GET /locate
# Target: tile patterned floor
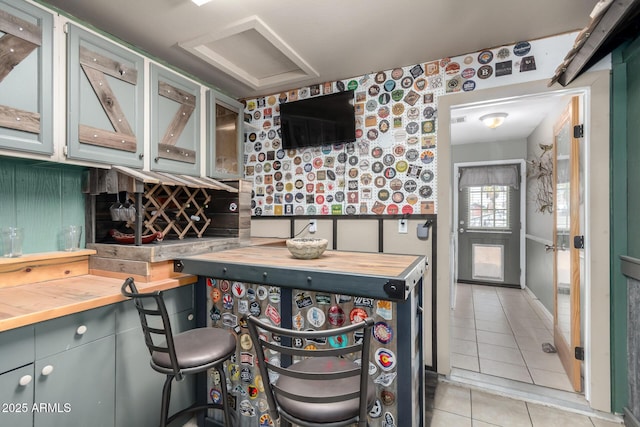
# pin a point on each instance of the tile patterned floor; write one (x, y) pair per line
(500, 331)
(458, 406)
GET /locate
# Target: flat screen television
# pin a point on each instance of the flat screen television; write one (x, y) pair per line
(321, 120)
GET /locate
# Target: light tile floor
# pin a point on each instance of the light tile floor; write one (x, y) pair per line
(458, 406)
(500, 331)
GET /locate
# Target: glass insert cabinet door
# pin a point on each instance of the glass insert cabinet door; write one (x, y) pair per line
(225, 137)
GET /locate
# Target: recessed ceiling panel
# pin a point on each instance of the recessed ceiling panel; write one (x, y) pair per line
(238, 49)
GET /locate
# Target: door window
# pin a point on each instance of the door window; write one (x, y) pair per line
(488, 207)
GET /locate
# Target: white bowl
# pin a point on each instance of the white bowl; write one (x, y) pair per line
(305, 248)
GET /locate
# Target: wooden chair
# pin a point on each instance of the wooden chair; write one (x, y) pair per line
(323, 387)
(189, 352)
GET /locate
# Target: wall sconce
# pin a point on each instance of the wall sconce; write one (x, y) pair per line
(493, 120)
(200, 2)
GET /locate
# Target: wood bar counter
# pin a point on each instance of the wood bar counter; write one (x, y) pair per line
(338, 288)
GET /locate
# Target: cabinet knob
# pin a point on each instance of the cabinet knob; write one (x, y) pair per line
(190, 317)
(47, 370)
(25, 380)
(81, 330)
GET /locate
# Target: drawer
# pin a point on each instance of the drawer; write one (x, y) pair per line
(54, 336)
(176, 300)
(16, 348)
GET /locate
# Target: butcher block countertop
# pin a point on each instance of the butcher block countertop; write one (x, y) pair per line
(28, 304)
(39, 287)
(375, 275)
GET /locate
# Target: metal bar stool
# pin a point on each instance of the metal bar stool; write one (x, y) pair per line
(189, 352)
(323, 387)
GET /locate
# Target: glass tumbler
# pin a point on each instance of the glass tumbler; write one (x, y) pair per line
(71, 237)
(12, 238)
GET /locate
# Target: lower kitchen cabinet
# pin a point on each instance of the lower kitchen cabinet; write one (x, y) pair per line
(89, 369)
(16, 397)
(77, 387)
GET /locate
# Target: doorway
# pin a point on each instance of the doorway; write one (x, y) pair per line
(503, 317)
(489, 217)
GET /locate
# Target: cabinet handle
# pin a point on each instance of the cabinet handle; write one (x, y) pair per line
(190, 317)
(81, 330)
(47, 370)
(25, 380)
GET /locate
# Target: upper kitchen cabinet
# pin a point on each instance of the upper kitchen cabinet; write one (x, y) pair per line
(26, 77)
(175, 123)
(224, 136)
(105, 100)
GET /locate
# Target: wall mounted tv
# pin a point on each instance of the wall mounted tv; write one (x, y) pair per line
(322, 120)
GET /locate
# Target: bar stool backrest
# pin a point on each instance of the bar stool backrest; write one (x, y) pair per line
(290, 344)
(155, 322)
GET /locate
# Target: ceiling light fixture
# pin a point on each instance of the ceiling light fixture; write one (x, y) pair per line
(200, 2)
(493, 120)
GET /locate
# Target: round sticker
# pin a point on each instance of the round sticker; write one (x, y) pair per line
(338, 341)
(389, 85)
(396, 73)
(485, 72)
(425, 191)
(336, 316)
(383, 332)
(406, 82)
(468, 86)
(384, 98)
(521, 48)
(485, 57)
(316, 317)
(452, 68)
(383, 195)
(398, 109)
(468, 73)
(412, 154)
(388, 159)
(358, 315)
(392, 209)
(374, 90)
(385, 358)
(380, 77)
(420, 84)
(397, 94)
(383, 112)
(383, 126)
(426, 156)
(402, 166)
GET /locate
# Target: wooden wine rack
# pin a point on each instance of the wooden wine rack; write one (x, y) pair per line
(175, 210)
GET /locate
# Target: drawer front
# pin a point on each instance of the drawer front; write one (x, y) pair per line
(16, 397)
(176, 300)
(16, 348)
(66, 332)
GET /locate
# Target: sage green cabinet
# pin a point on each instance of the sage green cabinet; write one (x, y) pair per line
(16, 377)
(224, 136)
(105, 100)
(175, 122)
(77, 387)
(16, 397)
(26, 87)
(75, 370)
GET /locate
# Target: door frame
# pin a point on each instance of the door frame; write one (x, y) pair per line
(595, 86)
(523, 213)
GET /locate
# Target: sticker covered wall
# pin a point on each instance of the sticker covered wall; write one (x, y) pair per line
(391, 168)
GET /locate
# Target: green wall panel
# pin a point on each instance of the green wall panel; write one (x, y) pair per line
(42, 198)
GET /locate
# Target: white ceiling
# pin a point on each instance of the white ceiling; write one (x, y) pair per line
(524, 115)
(296, 43)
